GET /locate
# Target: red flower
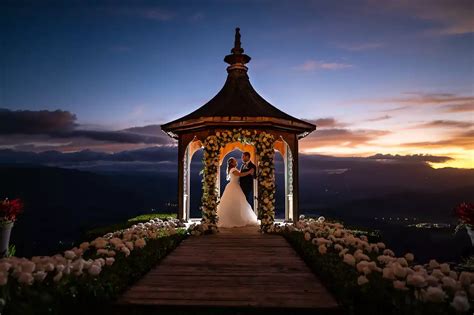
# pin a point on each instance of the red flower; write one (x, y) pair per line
(465, 212)
(10, 209)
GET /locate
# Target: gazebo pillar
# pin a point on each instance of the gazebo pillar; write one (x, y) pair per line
(181, 180)
(291, 178)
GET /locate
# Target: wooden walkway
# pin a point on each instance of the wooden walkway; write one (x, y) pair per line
(236, 268)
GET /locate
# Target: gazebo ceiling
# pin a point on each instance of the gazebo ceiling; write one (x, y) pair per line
(237, 105)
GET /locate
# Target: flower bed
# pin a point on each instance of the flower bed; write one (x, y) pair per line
(92, 273)
(368, 278)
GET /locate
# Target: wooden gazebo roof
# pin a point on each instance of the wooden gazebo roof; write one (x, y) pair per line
(237, 105)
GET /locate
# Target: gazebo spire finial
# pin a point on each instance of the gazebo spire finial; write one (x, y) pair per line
(237, 44)
(237, 59)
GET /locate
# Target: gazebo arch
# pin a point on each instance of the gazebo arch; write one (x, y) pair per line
(238, 117)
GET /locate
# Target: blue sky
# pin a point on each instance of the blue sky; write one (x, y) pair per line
(392, 77)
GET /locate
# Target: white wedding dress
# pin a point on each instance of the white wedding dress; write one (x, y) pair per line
(233, 209)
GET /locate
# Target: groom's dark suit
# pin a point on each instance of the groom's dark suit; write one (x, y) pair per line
(246, 182)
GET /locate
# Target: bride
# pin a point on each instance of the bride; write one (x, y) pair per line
(233, 209)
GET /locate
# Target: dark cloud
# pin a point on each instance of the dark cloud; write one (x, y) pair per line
(164, 159)
(115, 136)
(151, 154)
(36, 122)
(328, 122)
(411, 158)
(61, 126)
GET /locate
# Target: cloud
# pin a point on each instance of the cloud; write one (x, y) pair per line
(458, 108)
(342, 137)
(453, 17)
(36, 122)
(313, 65)
(153, 159)
(328, 122)
(445, 102)
(419, 98)
(463, 140)
(164, 159)
(411, 158)
(384, 117)
(446, 124)
(361, 46)
(59, 128)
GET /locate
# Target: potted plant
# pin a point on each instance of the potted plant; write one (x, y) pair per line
(9, 210)
(465, 214)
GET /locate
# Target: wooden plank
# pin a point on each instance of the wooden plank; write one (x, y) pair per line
(234, 268)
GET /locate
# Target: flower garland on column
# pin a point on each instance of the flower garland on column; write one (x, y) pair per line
(210, 195)
(263, 143)
(266, 180)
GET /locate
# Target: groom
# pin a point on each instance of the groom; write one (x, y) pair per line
(246, 182)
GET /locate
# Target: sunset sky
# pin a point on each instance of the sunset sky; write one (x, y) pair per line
(377, 77)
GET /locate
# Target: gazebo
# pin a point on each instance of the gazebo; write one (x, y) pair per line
(238, 118)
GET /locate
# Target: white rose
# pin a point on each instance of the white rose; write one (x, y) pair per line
(28, 266)
(69, 254)
(387, 273)
(84, 245)
(349, 259)
(58, 277)
(26, 278)
(109, 261)
(409, 257)
(400, 271)
(433, 264)
(465, 278)
(140, 243)
(129, 245)
(460, 303)
(5, 266)
(361, 280)
(435, 295)
(444, 268)
(322, 249)
(449, 283)
(416, 280)
(95, 269)
(39, 276)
